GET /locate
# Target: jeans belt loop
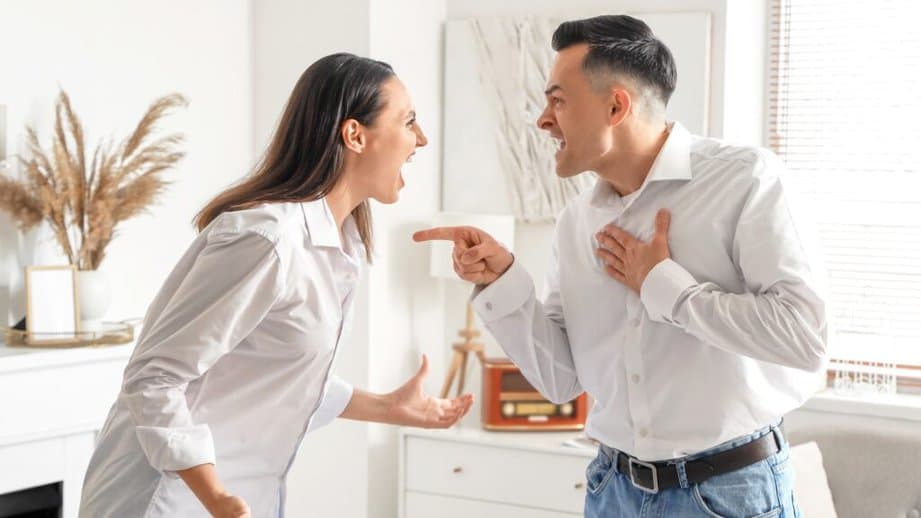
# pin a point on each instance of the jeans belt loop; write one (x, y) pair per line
(778, 438)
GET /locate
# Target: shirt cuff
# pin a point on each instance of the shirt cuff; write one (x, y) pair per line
(663, 288)
(174, 449)
(337, 397)
(505, 295)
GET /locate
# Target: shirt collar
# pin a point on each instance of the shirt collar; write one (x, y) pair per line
(672, 163)
(321, 226)
(674, 159)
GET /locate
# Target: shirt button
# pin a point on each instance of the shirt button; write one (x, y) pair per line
(489, 306)
(644, 432)
(635, 378)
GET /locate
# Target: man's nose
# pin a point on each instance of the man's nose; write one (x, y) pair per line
(545, 122)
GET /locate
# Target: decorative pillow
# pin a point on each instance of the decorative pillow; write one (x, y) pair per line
(811, 488)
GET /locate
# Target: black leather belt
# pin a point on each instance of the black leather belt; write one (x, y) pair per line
(653, 477)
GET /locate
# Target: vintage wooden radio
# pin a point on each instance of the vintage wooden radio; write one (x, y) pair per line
(509, 402)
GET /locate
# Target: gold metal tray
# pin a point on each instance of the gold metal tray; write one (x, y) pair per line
(112, 333)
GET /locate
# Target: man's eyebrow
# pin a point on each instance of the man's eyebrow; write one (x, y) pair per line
(552, 89)
(411, 114)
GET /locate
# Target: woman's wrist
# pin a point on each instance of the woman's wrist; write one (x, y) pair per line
(204, 483)
(368, 406)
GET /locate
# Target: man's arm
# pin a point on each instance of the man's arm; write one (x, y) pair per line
(531, 332)
(781, 316)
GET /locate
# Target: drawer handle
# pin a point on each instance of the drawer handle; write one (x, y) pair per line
(579, 485)
(458, 469)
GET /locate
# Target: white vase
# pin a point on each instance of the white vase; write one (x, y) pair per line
(95, 294)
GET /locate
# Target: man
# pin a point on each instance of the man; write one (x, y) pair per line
(679, 295)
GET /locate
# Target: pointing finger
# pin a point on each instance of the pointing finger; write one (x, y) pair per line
(438, 233)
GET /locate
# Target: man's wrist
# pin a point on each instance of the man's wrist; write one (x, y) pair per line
(500, 274)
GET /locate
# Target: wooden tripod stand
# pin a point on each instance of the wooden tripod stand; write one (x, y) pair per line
(461, 351)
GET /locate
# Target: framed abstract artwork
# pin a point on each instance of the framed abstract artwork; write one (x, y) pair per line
(496, 160)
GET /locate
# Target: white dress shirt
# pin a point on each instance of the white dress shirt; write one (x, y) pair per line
(233, 366)
(725, 337)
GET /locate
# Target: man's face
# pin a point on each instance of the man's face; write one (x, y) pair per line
(576, 115)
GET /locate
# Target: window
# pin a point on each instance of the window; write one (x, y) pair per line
(845, 116)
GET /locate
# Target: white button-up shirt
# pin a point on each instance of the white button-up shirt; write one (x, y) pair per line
(724, 338)
(233, 366)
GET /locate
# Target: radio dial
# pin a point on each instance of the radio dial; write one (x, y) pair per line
(566, 409)
(508, 409)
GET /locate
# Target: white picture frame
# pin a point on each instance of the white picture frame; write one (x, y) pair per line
(52, 306)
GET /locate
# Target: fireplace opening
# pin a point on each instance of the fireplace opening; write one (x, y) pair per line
(35, 502)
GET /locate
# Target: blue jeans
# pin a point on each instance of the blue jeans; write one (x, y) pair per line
(761, 490)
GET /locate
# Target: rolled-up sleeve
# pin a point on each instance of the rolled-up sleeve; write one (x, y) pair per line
(337, 397)
(231, 286)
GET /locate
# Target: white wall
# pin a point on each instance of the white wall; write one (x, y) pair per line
(289, 35)
(114, 58)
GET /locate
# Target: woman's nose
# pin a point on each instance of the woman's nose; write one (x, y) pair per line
(421, 140)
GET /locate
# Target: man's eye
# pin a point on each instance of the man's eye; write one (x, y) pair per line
(410, 123)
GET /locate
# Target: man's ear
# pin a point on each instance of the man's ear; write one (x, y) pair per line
(353, 135)
(620, 105)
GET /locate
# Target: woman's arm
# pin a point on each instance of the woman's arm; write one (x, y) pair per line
(204, 482)
(408, 405)
(223, 296)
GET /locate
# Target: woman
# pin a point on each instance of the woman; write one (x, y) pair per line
(235, 361)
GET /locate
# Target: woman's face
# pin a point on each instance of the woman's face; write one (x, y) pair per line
(391, 142)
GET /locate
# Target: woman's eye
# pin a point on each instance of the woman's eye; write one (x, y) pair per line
(410, 123)
(556, 101)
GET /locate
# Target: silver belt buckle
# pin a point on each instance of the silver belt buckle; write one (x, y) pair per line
(631, 462)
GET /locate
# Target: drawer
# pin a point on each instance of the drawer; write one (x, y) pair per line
(496, 474)
(422, 505)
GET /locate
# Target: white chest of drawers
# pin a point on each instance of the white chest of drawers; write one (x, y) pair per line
(474, 473)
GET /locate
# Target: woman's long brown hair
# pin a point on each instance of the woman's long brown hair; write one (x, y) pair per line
(303, 161)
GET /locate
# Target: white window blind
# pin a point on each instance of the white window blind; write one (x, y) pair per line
(845, 116)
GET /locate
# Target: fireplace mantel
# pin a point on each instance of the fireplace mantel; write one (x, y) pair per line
(52, 403)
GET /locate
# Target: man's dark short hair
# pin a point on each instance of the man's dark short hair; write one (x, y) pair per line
(621, 45)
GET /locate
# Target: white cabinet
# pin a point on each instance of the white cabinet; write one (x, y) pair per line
(469, 472)
(52, 403)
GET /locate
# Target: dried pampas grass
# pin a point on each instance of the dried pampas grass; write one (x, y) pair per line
(83, 205)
